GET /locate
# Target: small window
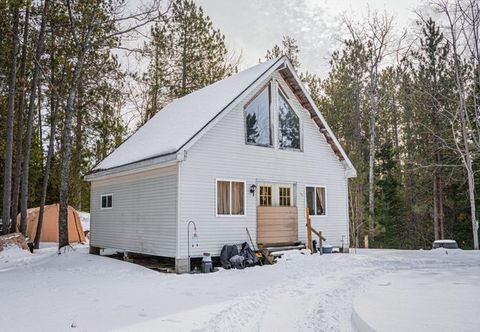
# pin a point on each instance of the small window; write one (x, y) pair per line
(265, 196)
(288, 125)
(257, 119)
(107, 201)
(285, 196)
(230, 198)
(316, 201)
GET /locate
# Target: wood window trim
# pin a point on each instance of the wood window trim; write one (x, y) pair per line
(101, 202)
(230, 215)
(315, 186)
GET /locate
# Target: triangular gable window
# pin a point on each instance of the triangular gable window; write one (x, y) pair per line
(288, 125)
(257, 119)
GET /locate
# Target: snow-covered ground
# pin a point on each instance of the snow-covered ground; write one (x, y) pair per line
(379, 288)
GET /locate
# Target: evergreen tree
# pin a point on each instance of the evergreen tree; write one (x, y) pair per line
(289, 48)
(185, 54)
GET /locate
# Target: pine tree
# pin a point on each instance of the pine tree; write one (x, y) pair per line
(289, 48)
(185, 54)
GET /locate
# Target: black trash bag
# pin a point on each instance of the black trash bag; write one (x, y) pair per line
(249, 255)
(228, 251)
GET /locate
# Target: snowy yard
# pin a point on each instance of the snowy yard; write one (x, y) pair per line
(384, 290)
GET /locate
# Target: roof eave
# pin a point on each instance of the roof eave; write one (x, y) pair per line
(306, 101)
(135, 167)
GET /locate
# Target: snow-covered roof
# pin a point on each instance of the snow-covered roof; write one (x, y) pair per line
(445, 241)
(178, 123)
(182, 119)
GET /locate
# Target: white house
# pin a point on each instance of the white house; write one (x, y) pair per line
(250, 151)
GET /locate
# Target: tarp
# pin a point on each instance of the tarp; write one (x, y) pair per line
(50, 224)
(232, 257)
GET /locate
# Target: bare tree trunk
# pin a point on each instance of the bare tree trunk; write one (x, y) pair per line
(67, 151)
(441, 213)
(436, 232)
(40, 126)
(51, 149)
(31, 109)
(78, 157)
(7, 181)
(371, 177)
(19, 138)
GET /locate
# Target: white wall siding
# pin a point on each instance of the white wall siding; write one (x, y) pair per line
(222, 153)
(144, 214)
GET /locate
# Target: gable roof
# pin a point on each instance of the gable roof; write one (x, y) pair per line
(178, 123)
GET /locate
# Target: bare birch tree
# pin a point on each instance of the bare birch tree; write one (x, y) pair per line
(376, 34)
(461, 129)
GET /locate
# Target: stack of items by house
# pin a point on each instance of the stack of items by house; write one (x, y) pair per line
(237, 256)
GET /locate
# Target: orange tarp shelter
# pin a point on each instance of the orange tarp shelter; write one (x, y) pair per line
(50, 224)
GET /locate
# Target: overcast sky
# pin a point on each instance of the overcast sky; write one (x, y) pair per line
(253, 26)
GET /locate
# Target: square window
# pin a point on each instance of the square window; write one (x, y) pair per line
(230, 198)
(107, 201)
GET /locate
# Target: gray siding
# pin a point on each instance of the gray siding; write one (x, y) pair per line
(222, 153)
(144, 213)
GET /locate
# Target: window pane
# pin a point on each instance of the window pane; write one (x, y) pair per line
(109, 201)
(238, 196)
(289, 125)
(257, 119)
(265, 196)
(285, 197)
(320, 201)
(104, 202)
(223, 197)
(310, 193)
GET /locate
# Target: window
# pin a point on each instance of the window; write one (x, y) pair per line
(265, 196)
(284, 194)
(230, 198)
(257, 119)
(107, 201)
(288, 125)
(316, 201)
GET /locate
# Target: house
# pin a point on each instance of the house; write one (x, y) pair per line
(250, 151)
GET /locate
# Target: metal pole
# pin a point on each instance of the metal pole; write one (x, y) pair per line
(188, 241)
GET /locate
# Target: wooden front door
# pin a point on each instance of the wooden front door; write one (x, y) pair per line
(277, 214)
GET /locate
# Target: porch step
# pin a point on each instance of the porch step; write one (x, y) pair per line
(285, 248)
(274, 252)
